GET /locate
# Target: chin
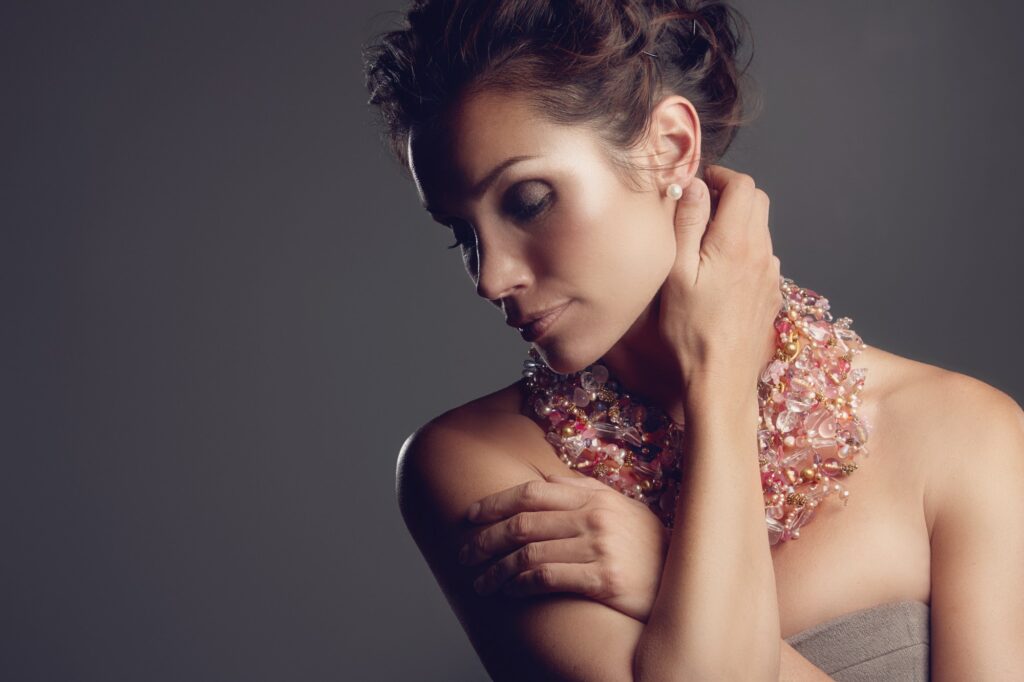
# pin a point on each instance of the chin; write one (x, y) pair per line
(565, 359)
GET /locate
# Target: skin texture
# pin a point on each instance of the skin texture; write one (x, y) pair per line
(576, 558)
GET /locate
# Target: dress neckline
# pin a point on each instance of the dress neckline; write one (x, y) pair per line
(909, 604)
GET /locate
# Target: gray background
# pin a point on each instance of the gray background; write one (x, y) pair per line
(224, 309)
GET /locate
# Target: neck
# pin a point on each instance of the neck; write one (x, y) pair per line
(646, 365)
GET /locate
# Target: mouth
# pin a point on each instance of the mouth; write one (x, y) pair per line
(539, 326)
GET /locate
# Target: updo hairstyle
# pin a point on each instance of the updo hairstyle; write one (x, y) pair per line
(577, 62)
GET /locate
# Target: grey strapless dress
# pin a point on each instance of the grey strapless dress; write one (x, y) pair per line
(887, 643)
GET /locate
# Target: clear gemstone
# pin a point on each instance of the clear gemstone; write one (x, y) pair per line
(801, 402)
(787, 421)
(818, 330)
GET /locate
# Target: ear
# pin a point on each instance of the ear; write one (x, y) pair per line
(674, 141)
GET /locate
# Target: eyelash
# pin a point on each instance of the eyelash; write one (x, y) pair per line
(529, 213)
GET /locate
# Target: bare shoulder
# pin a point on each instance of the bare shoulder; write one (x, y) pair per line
(943, 422)
(457, 458)
(482, 434)
(967, 436)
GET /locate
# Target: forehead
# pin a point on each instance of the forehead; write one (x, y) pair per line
(479, 132)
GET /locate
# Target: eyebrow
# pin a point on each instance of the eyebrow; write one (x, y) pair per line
(489, 179)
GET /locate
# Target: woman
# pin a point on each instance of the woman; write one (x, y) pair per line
(678, 487)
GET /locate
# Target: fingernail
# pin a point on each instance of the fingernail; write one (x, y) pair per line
(474, 509)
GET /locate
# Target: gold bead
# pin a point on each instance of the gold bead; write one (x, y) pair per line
(568, 431)
(808, 473)
(796, 499)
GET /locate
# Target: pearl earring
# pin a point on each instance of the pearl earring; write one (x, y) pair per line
(674, 191)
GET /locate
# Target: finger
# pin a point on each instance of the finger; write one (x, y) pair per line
(509, 534)
(582, 481)
(727, 230)
(759, 219)
(582, 579)
(693, 211)
(532, 495)
(532, 556)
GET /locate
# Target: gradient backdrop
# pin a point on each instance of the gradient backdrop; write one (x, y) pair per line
(224, 309)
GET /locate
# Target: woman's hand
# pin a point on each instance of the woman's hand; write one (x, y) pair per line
(719, 302)
(570, 534)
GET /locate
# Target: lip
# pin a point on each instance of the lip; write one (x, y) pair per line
(540, 326)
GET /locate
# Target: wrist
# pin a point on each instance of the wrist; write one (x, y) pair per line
(719, 389)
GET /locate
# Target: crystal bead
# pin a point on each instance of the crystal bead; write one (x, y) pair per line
(801, 402)
(819, 331)
(631, 435)
(802, 517)
(827, 427)
(794, 458)
(787, 421)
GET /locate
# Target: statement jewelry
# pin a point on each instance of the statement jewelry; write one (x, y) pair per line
(808, 428)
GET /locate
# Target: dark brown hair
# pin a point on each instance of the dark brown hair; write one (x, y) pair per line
(598, 63)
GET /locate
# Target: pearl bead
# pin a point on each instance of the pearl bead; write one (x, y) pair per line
(674, 191)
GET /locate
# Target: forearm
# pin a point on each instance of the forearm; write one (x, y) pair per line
(716, 612)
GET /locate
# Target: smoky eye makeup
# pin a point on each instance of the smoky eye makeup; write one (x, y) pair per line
(527, 199)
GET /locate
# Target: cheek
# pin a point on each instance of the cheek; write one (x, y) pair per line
(607, 244)
(633, 241)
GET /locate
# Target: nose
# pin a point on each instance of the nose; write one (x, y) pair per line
(501, 266)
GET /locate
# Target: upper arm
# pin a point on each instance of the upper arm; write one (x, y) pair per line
(442, 469)
(977, 555)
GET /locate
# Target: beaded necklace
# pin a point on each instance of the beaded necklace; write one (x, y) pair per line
(808, 428)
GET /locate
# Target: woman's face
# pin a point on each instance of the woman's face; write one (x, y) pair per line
(546, 223)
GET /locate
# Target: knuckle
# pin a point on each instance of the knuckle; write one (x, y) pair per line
(518, 526)
(527, 557)
(745, 182)
(611, 579)
(763, 196)
(543, 577)
(599, 519)
(531, 491)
